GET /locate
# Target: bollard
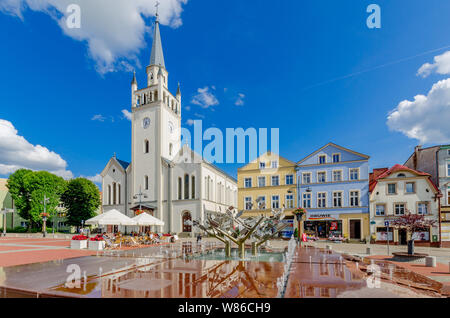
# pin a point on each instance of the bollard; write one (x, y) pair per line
(368, 250)
(430, 261)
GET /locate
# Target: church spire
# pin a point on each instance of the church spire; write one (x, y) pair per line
(134, 81)
(157, 57)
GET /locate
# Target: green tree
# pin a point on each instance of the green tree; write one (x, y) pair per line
(81, 199)
(28, 190)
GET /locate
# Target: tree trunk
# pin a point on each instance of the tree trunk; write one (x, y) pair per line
(411, 247)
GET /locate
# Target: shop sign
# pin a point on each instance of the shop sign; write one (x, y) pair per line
(322, 216)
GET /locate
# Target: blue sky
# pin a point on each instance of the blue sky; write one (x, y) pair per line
(287, 59)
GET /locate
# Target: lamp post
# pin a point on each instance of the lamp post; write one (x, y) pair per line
(140, 195)
(44, 218)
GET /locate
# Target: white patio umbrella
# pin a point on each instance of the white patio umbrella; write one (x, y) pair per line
(146, 219)
(112, 217)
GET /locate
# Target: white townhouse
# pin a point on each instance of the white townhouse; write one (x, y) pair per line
(398, 191)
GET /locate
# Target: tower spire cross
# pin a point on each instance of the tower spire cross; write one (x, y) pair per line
(157, 7)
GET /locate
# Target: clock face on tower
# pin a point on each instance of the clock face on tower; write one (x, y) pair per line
(146, 123)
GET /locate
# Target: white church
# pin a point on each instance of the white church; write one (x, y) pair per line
(164, 179)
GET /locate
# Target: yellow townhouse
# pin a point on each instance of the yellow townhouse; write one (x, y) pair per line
(267, 183)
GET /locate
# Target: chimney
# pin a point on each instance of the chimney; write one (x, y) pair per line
(416, 155)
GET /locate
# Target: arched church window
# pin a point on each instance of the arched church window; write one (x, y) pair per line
(118, 193)
(146, 146)
(193, 187)
(170, 149)
(146, 182)
(186, 187)
(114, 193)
(109, 194)
(180, 184)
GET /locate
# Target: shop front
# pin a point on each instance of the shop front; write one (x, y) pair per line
(323, 225)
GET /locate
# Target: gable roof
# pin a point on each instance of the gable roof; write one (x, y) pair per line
(334, 145)
(268, 153)
(384, 172)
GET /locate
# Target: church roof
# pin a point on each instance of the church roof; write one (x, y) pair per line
(124, 164)
(157, 57)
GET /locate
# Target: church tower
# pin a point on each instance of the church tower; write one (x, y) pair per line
(156, 128)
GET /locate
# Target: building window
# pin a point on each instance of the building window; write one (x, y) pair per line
(448, 197)
(321, 177)
(118, 193)
(392, 188)
(275, 202)
(114, 193)
(399, 208)
(307, 178)
(248, 203)
(186, 187)
(422, 208)
(289, 201)
(274, 164)
(354, 198)
(354, 174)
(448, 169)
(170, 149)
(336, 157)
(146, 146)
(262, 165)
(261, 202)
(322, 159)
(180, 186)
(261, 182)
(193, 188)
(275, 181)
(321, 200)
(337, 199)
(109, 194)
(380, 210)
(289, 179)
(146, 182)
(248, 182)
(410, 187)
(306, 200)
(337, 175)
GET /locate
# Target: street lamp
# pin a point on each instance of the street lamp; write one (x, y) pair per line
(140, 195)
(44, 215)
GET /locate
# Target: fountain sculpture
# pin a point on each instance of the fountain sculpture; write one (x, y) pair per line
(230, 228)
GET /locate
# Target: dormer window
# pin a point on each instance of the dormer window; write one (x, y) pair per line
(401, 175)
(322, 159)
(262, 165)
(336, 157)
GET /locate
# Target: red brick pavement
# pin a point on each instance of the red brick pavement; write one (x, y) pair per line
(41, 256)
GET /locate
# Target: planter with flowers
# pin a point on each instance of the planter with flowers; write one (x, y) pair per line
(97, 243)
(299, 214)
(79, 242)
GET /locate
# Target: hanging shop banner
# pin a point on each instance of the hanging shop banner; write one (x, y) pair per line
(322, 216)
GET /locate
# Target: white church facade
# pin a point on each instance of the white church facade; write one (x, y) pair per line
(165, 179)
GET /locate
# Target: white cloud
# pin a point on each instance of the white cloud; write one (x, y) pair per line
(426, 118)
(96, 179)
(240, 100)
(126, 114)
(16, 153)
(98, 118)
(114, 31)
(205, 98)
(441, 66)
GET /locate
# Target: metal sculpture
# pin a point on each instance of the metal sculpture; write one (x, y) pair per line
(230, 228)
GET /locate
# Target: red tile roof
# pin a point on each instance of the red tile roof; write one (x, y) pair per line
(384, 172)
